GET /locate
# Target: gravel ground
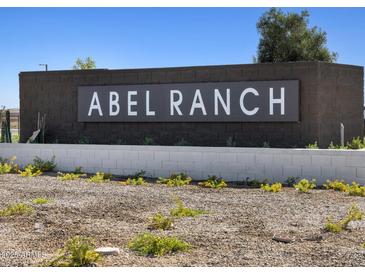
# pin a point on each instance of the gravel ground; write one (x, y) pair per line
(238, 230)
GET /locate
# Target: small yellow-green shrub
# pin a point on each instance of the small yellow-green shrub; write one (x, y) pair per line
(148, 244)
(312, 146)
(134, 181)
(304, 185)
(78, 251)
(179, 179)
(181, 211)
(16, 209)
(44, 165)
(213, 182)
(336, 185)
(356, 190)
(8, 166)
(30, 171)
(159, 221)
(100, 177)
(69, 176)
(40, 201)
(353, 214)
(275, 187)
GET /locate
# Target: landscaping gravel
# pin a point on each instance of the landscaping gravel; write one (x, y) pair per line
(244, 227)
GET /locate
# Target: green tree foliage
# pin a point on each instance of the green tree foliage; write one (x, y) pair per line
(87, 63)
(286, 37)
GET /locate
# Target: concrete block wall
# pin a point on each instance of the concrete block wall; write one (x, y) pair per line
(233, 164)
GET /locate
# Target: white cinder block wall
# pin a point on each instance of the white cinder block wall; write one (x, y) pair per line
(233, 164)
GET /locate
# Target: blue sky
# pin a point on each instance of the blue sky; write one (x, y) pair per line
(150, 37)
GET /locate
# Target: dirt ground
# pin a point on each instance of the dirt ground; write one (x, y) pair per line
(238, 231)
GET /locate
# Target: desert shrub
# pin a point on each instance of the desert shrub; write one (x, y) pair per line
(336, 185)
(8, 166)
(253, 182)
(275, 187)
(181, 211)
(356, 190)
(69, 176)
(40, 201)
(43, 165)
(290, 181)
(179, 179)
(213, 182)
(16, 209)
(312, 146)
(159, 221)
(30, 171)
(77, 251)
(353, 214)
(305, 185)
(134, 181)
(152, 245)
(138, 174)
(100, 177)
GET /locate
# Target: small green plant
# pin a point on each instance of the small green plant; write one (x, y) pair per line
(148, 244)
(159, 221)
(134, 182)
(138, 174)
(43, 165)
(78, 251)
(213, 182)
(69, 176)
(253, 183)
(336, 185)
(148, 141)
(30, 171)
(8, 166)
(78, 170)
(182, 142)
(332, 146)
(312, 146)
(353, 214)
(266, 145)
(181, 211)
(180, 179)
(40, 201)
(356, 143)
(275, 187)
(305, 185)
(290, 181)
(100, 177)
(17, 209)
(356, 190)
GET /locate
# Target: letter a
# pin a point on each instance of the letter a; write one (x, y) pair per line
(95, 104)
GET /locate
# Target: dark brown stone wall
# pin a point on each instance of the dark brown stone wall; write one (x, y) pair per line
(329, 94)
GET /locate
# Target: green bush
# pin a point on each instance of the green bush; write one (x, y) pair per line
(213, 182)
(17, 209)
(180, 179)
(332, 146)
(148, 141)
(305, 185)
(148, 244)
(353, 214)
(78, 170)
(30, 171)
(254, 182)
(8, 166)
(40, 201)
(134, 181)
(100, 177)
(356, 190)
(181, 211)
(77, 252)
(356, 143)
(336, 185)
(159, 221)
(44, 166)
(275, 187)
(312, 146)
(290, 181)
(69, 176)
